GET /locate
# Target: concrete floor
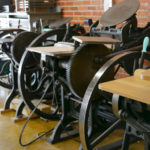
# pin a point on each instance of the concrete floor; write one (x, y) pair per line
(10, 131)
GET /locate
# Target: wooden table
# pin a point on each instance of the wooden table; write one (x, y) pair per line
(95, 40)
(131, 87)
(53, 50)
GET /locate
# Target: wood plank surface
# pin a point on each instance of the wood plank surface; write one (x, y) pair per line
(53, 50)
(130, 87)
(142, 74)
(95, 40)
(9, 29)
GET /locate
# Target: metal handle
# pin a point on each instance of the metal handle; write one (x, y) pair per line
(144, 50)
(145, 44)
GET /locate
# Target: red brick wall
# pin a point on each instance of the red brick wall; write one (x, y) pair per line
(81, 9)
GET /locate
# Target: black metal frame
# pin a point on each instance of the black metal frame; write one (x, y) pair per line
(63, 34)
(68, 109)
(88, 98)
(8, 35)
(14, 63)
(138, 128)
(68, 100)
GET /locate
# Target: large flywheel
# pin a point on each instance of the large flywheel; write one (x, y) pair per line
(101, 111)
(21, 41)
(37, 81)
(84, 63)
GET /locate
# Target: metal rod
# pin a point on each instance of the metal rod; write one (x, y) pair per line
(105, 133)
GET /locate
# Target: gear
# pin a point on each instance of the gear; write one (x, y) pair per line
(83, 65)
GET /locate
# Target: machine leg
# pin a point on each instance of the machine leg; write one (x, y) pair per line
(103, 135)
(13, 91)
(113, 146)
(9, 99)
(146, 141)
(20, 109)
(126, 141)
(116, 145)
(58, 133)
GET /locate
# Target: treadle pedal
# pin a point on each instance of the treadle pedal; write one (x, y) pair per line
(116, 145)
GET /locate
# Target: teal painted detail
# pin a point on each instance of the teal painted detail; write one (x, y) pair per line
(7, 69)
(145, 44)
(46, 29)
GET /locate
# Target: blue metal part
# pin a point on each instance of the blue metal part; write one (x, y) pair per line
(145, 44)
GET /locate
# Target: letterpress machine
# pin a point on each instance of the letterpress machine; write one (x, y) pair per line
(68, 68)
(90, 141)
(130, 103)
(14, 48)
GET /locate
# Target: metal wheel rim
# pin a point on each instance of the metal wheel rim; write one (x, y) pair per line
(87, 100)
(36, 42)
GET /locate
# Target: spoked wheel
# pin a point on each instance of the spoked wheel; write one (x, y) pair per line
(14, 51)
(5, 75)
(96, 120)
(8, 35)
(19, 44)
(9, 32)
(5, 61)
(37, 82)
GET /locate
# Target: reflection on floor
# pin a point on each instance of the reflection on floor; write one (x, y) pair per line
(9, 134)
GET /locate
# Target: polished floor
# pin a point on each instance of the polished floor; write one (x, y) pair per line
(10, 131)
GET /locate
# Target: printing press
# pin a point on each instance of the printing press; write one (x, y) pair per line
(13, 45)
(59, 74)
(130, 103)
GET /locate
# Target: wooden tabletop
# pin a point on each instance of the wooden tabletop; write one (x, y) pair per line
(95, 40)
(9, 29)
(53, 50)
(131, 87)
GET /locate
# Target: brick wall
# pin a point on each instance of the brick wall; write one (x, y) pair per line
(81, 9)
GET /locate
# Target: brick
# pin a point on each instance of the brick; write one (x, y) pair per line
(80, 9)
(68, 13)
(92, 8)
